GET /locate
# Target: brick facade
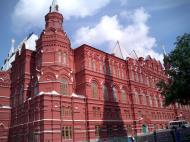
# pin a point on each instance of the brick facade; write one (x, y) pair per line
(60, 94)
(5, 109)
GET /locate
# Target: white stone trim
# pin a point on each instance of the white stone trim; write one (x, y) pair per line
(4, 97)
(72, 121)
(4, 137)
(5, 107)
(48, 93)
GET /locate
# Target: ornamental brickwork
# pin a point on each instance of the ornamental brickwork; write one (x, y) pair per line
(5, 109)
(61, 94)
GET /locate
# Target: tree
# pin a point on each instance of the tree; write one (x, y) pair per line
(177, 66)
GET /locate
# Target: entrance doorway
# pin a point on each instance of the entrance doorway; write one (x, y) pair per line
(144, 128)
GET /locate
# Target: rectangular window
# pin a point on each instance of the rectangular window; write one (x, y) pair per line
(123, 96)
(109, 130)
(97, 130)
(139, 114)
(108, 113)
(147, 100)
(96, 112)
(66, 111)
(67, 132)
(120, 128)
(20, 100)
(117, 114)
(129, 129)
(127, 114)
(63, 88)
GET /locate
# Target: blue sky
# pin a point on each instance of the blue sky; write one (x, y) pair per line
(140, 25)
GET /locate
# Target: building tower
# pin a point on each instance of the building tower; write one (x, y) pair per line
(53, 79)
(54, 57)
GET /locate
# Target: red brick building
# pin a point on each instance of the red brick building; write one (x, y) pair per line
(60, 94)
(5, 109)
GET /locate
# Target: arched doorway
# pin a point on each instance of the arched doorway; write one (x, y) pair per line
(144, 128)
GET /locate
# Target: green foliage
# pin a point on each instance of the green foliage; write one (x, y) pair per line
(177, 66)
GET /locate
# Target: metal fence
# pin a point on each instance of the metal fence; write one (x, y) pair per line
(169, 135)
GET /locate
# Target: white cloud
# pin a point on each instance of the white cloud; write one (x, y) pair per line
(134, 36)
(30, 13)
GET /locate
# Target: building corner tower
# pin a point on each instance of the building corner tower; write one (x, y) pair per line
(53, 78)
(54, 57)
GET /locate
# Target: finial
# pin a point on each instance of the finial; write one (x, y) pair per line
(163, 47)
(12, 47)
(12, 42)
(54, 6)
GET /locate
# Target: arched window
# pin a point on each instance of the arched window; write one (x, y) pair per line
(144, 99)
(122, 74)
(119, 74)
(123, 96)
(108, 70)
(64, 58)
(115, 94)
(105, 69)
(64, 86)
(156, 102)
(36, 89)
(113, 68)
(136, 98)
(137, 77)
(21, 94)
(140, 99)
(94, 90)
(148, 81)
(101, 67)
(161, 103)
(150, 100)
(147, 100)
(105, 93)
(94, 65)
(58, 56)
(89, 63)
(141, 78)
(132, 74)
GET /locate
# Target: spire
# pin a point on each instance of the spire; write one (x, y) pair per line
(54, 6)
(163, 48)
(12, 47)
